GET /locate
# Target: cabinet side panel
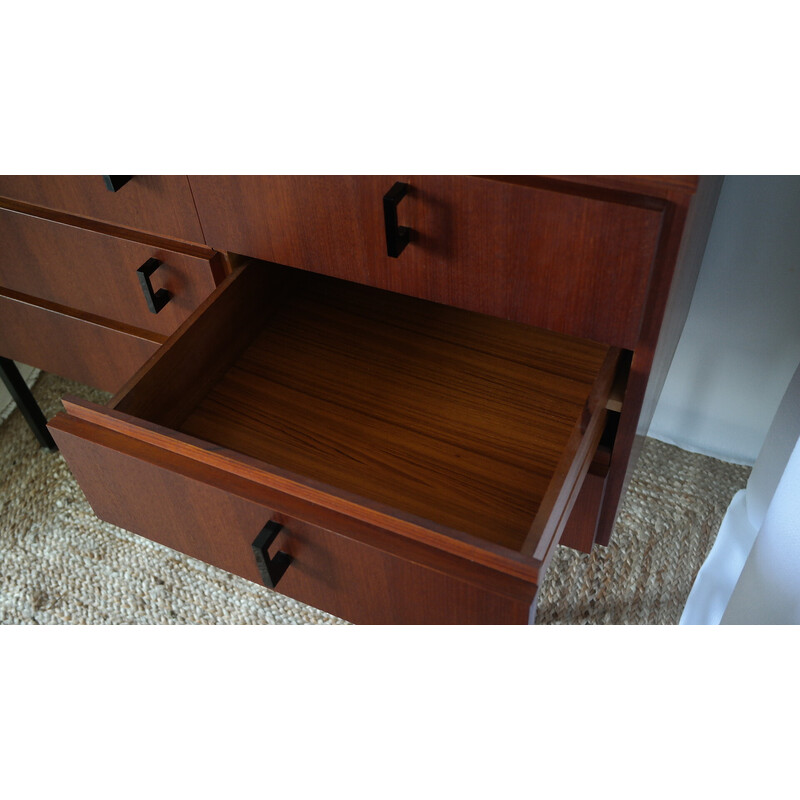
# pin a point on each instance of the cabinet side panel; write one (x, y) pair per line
(677, 266)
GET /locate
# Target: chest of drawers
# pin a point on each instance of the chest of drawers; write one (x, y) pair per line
(71, 295)
(388, 397)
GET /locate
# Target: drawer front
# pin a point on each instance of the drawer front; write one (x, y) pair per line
(97, 274)
(564, 262)
(159, 204)
(78, 349)
(165, 499)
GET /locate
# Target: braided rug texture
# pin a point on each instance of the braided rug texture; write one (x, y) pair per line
(59, 564)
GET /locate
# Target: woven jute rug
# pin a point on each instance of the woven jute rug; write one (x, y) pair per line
(60, 564)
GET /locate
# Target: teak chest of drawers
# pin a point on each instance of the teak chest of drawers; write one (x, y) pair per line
(387, 397)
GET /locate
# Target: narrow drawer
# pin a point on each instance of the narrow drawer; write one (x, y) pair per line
(97, 274)
(559, 260)
(157, 204)
(442, 448)
(82, 349)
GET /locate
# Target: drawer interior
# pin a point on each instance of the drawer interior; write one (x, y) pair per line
(444, 414)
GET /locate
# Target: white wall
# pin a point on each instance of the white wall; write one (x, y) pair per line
(741, 342)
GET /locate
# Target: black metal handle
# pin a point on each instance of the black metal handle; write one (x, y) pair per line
(271, 569)
(115, 182)
(396, 235)
(155, 301)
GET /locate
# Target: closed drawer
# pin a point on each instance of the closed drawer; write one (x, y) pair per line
(554, 259)
(400, 437)
(158, 204)
(87, 350)
(96, 273)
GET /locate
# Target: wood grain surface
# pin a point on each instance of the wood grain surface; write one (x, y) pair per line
(686, 227)
(674, 188)
(158, 204)
(96, 273)
(553, 259)
(581, 527)
(451, 416)
(478, 560)
(408, 425)
(135, 486)
(573, 465)
(169, 386)
(84, 348)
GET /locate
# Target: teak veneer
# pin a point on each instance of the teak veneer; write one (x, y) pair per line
(427, 381)
(97, 273)
(552, 259)
(447, 429)
(154, 204)
(455, 417)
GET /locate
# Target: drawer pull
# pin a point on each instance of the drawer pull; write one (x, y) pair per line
(271, 569)
(115, 182)
(155, 300)
(396, 235)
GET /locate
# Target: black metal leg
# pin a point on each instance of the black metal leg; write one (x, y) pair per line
(26, 403)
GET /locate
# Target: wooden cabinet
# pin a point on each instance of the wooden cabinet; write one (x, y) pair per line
(425, 428)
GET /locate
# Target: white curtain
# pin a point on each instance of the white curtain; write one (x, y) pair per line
(768, 590)
(752, 574)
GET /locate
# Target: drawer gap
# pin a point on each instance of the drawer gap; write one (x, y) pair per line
(617, 394)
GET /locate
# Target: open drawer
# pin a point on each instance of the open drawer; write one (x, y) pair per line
(416, 462)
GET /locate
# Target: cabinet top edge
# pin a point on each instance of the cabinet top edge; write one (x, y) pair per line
(658, 185)
(649, 184)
